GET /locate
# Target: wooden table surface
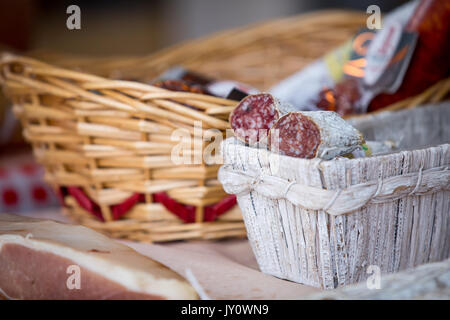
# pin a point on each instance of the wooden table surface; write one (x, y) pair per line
(226, 269)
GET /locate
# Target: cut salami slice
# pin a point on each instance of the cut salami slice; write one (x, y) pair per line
(49, 260)
(313, 134)
(253, 117)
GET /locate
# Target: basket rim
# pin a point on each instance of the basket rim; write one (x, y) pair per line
(11, 58)
(174, 49)
(234, 142)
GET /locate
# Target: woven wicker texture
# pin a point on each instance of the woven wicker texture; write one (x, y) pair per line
(112, 138)
(322, 223)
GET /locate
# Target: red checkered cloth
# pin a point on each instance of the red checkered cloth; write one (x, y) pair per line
(22, 188)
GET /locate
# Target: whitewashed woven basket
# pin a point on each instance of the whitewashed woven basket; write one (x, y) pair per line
(322, 223)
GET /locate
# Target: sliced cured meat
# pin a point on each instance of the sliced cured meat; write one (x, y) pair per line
(181, 86)
(342, 98)
(253, 117)
(33, 274)
(298, 136)
(430, 61)
(313, 134)
(37, 260)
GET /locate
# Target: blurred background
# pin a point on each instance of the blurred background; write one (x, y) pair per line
(139, 27)
(115, 27)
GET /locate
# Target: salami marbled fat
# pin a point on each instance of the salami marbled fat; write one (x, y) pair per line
(36, 258)
(297, 136)
(313, 134)
(253, 117)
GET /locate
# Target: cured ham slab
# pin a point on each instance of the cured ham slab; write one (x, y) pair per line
(41, 260)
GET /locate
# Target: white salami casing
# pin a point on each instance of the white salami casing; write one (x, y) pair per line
(313, 134)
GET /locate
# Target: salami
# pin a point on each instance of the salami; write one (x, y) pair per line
(180, 73)
(181, 85)
(430, 61)
(341, 98)
(255, 115)
(313, 134)
(172, 78)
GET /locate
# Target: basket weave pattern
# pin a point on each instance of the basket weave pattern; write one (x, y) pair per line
(111, 138)
(323, 223)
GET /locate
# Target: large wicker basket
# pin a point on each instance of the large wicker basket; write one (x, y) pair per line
(106, 142)
(332, 223)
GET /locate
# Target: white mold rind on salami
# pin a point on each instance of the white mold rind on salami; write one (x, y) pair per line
(34, 254)
(253, 117)
(336, 137)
